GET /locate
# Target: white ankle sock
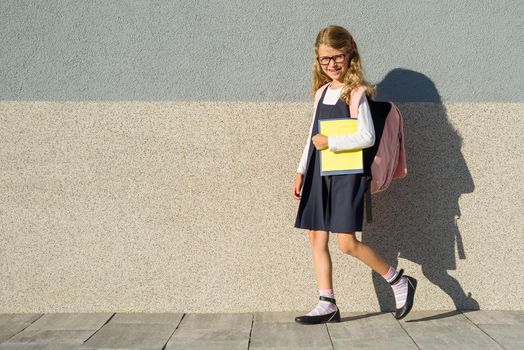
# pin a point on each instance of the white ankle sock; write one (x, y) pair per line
(400, 289)
(324, 307)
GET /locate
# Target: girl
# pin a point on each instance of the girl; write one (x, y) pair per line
(335, 203)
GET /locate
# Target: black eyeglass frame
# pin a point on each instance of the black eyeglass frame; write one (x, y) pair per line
(333, 58)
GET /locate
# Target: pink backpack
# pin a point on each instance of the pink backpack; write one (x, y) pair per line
(386, 160)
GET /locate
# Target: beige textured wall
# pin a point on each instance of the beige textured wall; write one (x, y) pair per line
(153, 206)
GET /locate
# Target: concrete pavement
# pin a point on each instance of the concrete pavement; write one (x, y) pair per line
(479, 329)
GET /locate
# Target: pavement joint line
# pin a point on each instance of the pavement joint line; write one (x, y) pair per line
(476, 325)
(250, 330)
(102, 326)
(405, 331)
(329, 336)
(178, 325)
(14, 335)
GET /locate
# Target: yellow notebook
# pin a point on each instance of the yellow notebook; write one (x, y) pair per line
(340, 162)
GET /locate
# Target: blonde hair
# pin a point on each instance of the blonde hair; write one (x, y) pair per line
(339, 38)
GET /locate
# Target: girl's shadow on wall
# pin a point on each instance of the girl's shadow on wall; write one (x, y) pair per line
(416, 218)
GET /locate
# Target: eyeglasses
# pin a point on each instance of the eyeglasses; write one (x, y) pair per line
(337, 58)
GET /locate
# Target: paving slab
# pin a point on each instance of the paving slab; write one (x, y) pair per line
(210, 339)
(147, 318)
(207, 331)
(6, 319)
(130, 336)
(45, 336)
(446, 330)
(514, 317)
(217, 321)
(277, 317)
(369, 331)
(505, 327)
(70, 321)
(11, 324)
(279, 331)
(289, 336)
(38, 347)
(68, 329)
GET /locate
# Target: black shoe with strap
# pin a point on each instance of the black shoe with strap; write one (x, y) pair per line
(330, 317)
(412, 286)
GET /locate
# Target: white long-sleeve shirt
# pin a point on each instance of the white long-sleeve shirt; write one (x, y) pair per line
(363, 138)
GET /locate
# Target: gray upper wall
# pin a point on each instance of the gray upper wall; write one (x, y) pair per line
(255, 51)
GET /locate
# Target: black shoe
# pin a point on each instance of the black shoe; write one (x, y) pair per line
(331, 317)
(412, 286)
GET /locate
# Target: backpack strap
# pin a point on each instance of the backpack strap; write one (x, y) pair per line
(356, 95)
(318, 94)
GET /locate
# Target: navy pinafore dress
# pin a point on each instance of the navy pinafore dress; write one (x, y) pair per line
(332, 203)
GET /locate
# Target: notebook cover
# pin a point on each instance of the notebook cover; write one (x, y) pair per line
(340, 162)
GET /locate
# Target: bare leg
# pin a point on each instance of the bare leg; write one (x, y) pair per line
(349, 244)
(325, 310)
(321, 258)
